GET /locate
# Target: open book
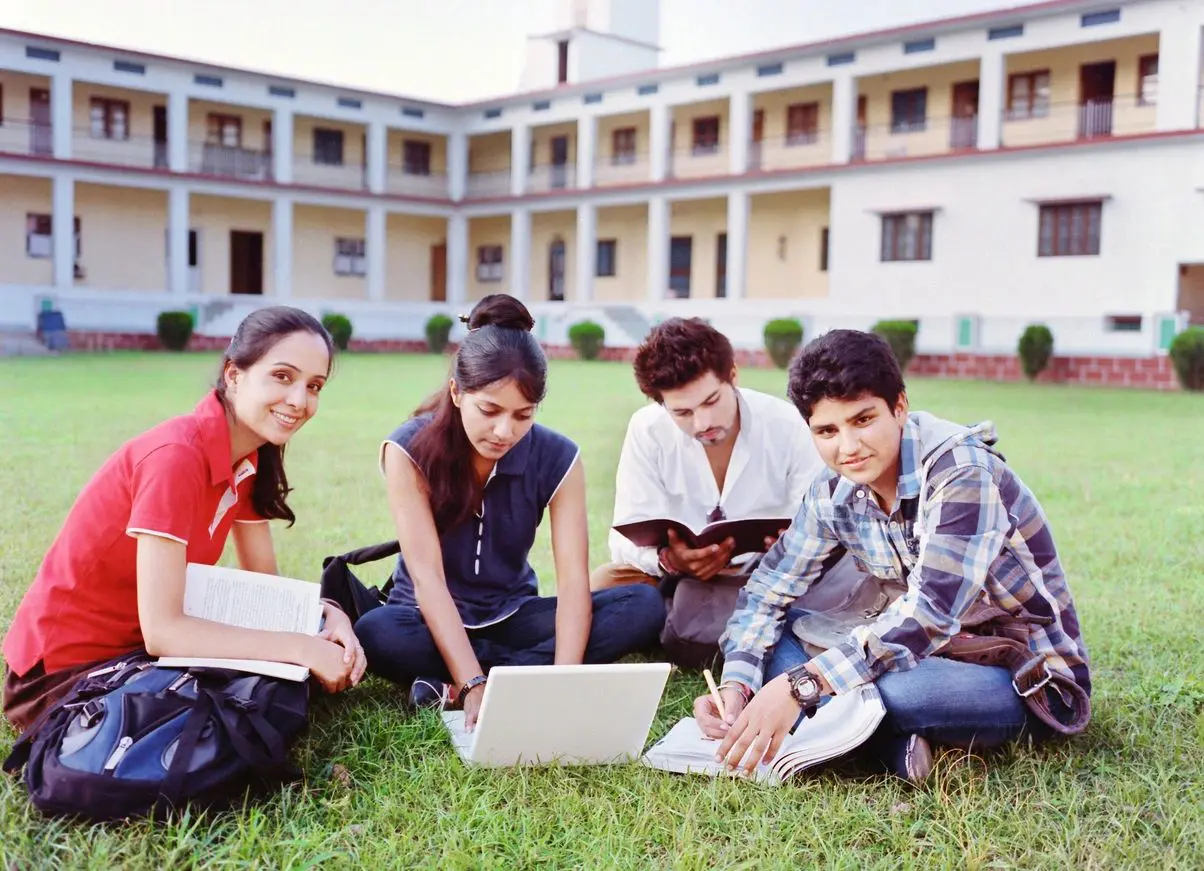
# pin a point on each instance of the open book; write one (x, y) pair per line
(843, 723)
(749, 533)
(252, 601)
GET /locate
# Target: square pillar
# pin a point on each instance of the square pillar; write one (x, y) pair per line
(658, 248)
(739, 134)
(1179, 69)
(457, 165)
(587, 143)
(376, 251)
(658, 141)
(378, 157)
(62, 231)
(520, 159)
(991, 81)
(844, 117)
(520, 253)
(587, 251)
(282, 146)
(737, 243)
(457, 260)
(282, 246)
(61, 133)
(177, 240)
(177, 131)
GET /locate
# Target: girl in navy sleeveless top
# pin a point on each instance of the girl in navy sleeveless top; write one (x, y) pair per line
(469, 477)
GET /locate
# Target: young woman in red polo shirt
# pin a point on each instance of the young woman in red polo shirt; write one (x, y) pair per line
(113, 579)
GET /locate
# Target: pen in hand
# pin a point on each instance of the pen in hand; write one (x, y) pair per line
(706, 672)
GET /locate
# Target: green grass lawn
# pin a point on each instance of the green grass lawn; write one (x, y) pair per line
(1120, 474)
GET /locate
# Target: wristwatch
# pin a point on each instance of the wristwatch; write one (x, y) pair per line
(804, 688)
(469, 686)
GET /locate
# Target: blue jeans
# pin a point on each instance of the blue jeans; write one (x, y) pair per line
(947, 702)
(399, 645)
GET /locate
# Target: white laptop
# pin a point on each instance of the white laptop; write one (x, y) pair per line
(562, 714)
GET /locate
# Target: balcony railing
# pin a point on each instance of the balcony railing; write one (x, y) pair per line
(25, 137)
(226, 161)
(813, 148)
(139, 151)
(488, 184)
(621, 169)
(313, 170)
(698, 161)
(544, 178)
(917, 138)
(403, 182)
(1101, 118)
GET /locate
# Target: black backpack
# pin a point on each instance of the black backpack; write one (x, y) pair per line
(340, 585)
(132, 739)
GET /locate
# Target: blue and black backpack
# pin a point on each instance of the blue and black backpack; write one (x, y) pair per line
(133, 739)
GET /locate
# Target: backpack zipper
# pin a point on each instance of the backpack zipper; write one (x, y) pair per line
(118, 753)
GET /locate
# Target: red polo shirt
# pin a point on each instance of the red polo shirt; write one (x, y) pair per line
(176, 481)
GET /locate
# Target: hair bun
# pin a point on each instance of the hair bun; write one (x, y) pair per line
(500, 310)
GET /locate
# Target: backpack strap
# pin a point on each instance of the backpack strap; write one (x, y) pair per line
(369, 554)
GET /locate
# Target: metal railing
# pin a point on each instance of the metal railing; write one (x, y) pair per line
(20, 136)
(1100, 118)
(547, 177)
(933, 136)
(698, 161)
(488, 184)
(139, 151)
(403, 182)
(311, 169)
(620, 169)
(790, 152)
(225, 161)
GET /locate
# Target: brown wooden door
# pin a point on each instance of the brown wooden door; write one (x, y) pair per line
(40, 139)
(963, 132)
(1097, 86)
(758, 134)
(439, 272)
(159, 130)
(859, 130)
(246, 263)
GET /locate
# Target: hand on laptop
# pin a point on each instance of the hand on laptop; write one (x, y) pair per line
(472, 706)
(702, 563)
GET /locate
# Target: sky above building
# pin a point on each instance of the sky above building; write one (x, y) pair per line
(447, 50)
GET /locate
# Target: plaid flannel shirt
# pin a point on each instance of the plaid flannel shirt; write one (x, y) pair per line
(981, 532)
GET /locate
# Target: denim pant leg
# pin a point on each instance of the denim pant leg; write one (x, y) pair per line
(948, 702)
(398, 644)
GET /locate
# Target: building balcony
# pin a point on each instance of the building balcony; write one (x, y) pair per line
(483, 185)
(622, 169)
(143, 152)
(26, 138)
(545, 178)
(309, 169)
(698, 161)
(412, 182)
(914, 138)
(228, 161)
(1074, 121)
(797, 151)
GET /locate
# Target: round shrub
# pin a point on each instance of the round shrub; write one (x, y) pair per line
(587, 339)
(174, 329)
(1187, 356)
(438, 331)
(783, 336)
(339, 327)
(1035, 350)
(901, 336)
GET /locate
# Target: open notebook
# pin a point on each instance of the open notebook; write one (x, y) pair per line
(843, 723)
(253, 601)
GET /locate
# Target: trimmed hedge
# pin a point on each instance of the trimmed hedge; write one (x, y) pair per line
(1187, 356)
(438, 332)
(587, 339)
(901, 336)
(174, 329)
(339, 327)
(783, 337)
(1035, 349)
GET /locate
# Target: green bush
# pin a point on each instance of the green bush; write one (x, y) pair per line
(587, 339)
(1187, 355)
(901, 336)
(339, 328)
(1035, 349)
(783, 336)
(438, 330)
(174, 329)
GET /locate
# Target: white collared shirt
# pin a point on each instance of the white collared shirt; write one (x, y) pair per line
(663, 472)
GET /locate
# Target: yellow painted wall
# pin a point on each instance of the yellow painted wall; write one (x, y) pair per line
(543, 136)
(314, 230)
(628, 226)
(252, 123)
(408, 267)
(684, 164)
(488, 231)
(789, 270)
(22, 196)
(880, 142)
(545, 227)
(303, 137)
(396, 148)
(775, 152)
(1064, 65)
(703, 220)
(123, 237)
(15, 135)
(138, 149)
(214, 218)
(489, 153)
(606, 172)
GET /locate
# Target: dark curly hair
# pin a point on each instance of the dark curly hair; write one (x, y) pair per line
(678, 351)
(844, 365)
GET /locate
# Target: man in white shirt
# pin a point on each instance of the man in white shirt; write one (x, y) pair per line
(708, 450)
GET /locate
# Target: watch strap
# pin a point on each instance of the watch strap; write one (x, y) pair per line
(469, 686)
